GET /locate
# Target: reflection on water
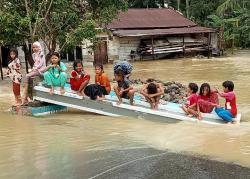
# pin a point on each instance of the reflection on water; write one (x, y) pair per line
(38, 146)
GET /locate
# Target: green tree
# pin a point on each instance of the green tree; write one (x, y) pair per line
(61, 22)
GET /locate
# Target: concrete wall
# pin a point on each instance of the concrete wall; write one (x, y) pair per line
(87, 51)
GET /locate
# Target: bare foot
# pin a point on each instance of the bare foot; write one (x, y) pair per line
(51, 91)
(190, 115)
(199, 117)
(62, 91)
(79, 93)
(18, 103)
(234, 122)
(100, 98)
(119, 102)
(25, 102)
(132, 103)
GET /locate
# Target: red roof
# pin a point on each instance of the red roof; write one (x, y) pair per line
(150, 32)
(150, 18)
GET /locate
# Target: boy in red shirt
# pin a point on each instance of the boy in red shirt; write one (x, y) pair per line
(230, 110)
(191, 105)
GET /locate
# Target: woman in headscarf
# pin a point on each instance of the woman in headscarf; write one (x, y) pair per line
(39, 64)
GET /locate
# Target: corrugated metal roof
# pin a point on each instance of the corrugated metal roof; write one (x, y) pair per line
(150, 18)
(170, 31)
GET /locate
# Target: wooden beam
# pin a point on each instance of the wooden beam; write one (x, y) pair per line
(1, 63)
(183, 43)
(209, 43)
(152, 45)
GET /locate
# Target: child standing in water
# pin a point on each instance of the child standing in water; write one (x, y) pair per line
(230, 110)
(152, 91)
(39, 65)
(79, 78)
(191, 106)
(14, 67)
(55, 73)
(124, 89)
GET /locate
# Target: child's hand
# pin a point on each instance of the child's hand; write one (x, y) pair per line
(216, 89)
(217, 106)
(150, 95)
(121, 91)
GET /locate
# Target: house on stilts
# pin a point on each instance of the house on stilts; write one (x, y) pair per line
(139, 34)
(151, 34)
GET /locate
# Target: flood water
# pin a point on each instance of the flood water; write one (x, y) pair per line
(60, 145)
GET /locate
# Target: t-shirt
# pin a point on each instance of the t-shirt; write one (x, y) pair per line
(13, 71)
(192, 99)
(103, 80)
(230, 102)
(75, 83)
(205, 98)
(124, 84)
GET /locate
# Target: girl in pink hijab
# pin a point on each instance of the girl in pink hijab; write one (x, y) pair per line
(39, 64)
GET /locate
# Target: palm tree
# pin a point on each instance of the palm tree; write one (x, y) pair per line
(228, 5)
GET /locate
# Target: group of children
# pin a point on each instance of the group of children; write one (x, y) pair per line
(207, 100)
(55, 75)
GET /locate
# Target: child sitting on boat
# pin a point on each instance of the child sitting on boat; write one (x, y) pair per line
(124, 89)
(230, 110)
(79, 78)
(191, 105)
(152, 91)
(207, 100)
(37, 69)
(55, 74)
(14, 73)
(101, 86)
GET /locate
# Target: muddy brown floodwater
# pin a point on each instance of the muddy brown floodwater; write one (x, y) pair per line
(48, 146)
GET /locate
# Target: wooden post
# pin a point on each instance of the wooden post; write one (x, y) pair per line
(209, 43)
(25, 49)
(1, 63)
(152, 45)
(183, 42)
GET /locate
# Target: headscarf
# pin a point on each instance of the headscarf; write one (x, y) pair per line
(38, 45)
(38, 57)
(123, 66)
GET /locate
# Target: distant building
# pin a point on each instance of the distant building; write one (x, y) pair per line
(150, 34)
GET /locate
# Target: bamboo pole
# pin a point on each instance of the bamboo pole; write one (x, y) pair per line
(1, 64)
(183, 43)
(209, 44)
(152, 44)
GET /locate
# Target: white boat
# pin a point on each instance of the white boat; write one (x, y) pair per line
(169, 112)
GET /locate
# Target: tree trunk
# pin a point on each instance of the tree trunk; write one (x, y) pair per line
(28, 57)
(178, 5)
(187, 8)
(163, 3)
(53, 46)
(1, 65)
